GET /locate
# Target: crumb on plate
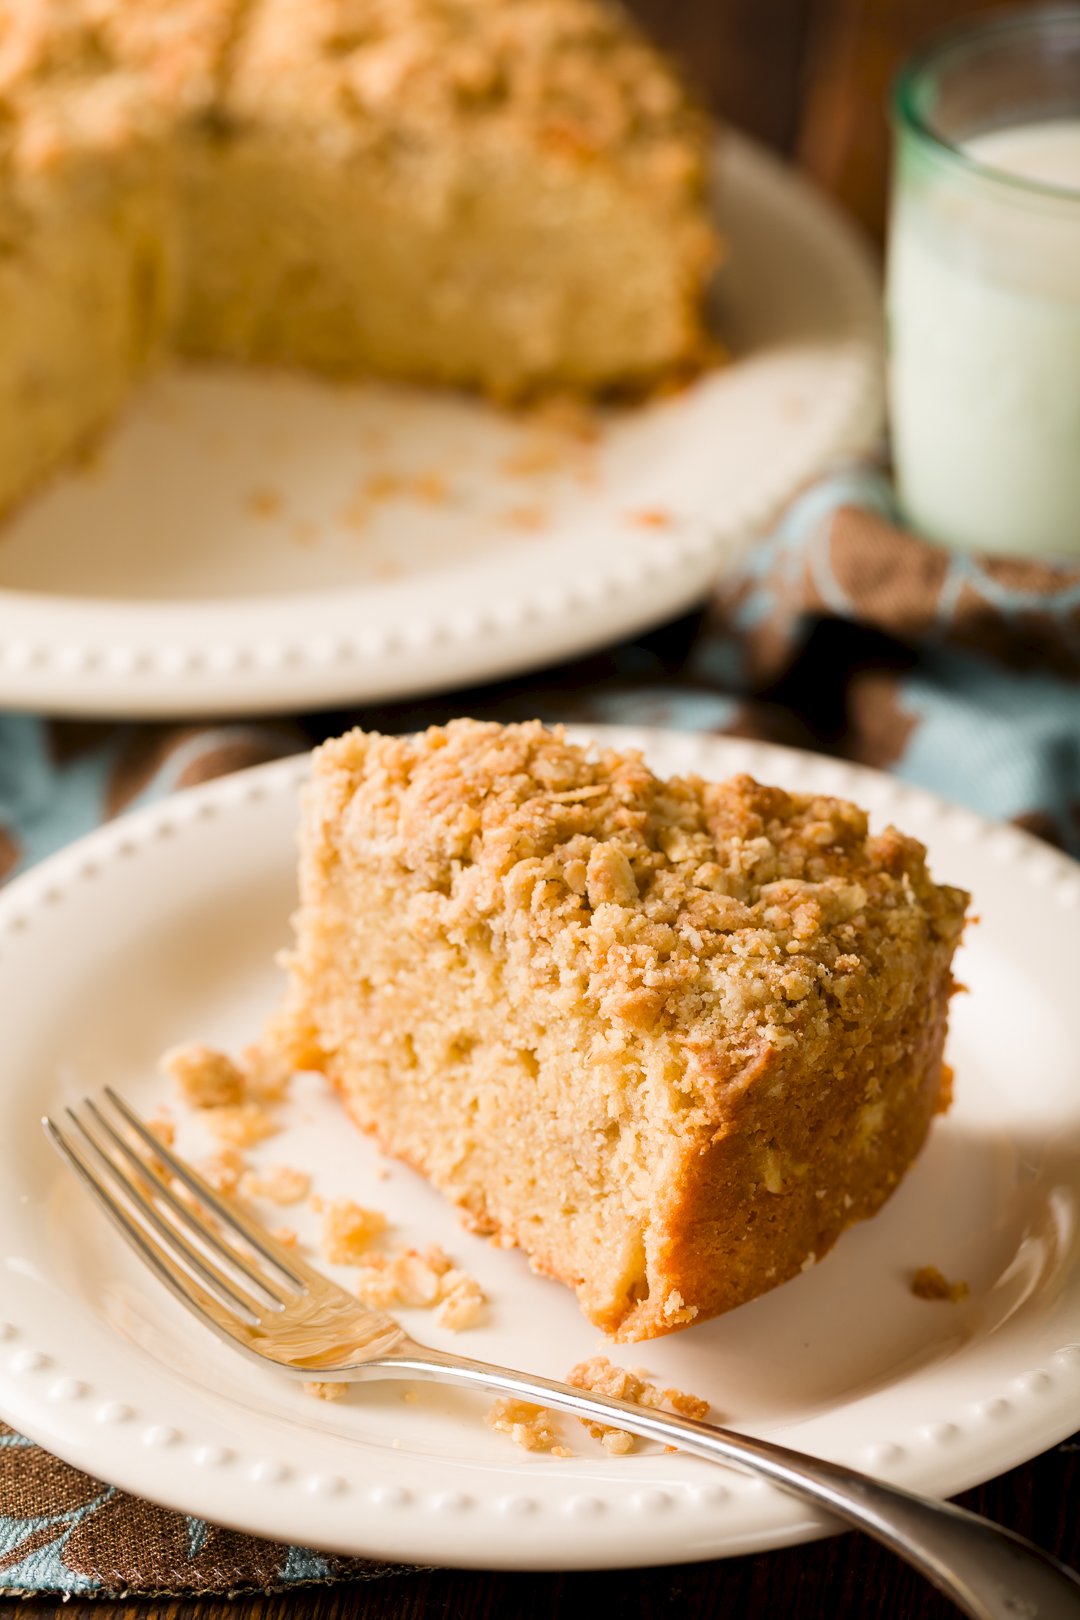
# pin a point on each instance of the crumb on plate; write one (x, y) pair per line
(526, 519)
(348, 1229)
(461, 1302)
(266, 1074)
(163, 1129)
(528, 1426)
(223, 1170)
(929, 1283)
(421, 1280)
(599, 1375)
(432, 488)
(265, 502)
(240, 1124)
(278, 1184)
(324, 1391)
(207, 1077)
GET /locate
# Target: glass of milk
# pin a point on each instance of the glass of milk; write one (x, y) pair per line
(983, 293)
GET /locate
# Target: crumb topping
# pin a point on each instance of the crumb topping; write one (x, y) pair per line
(735, 916)
(106, 74)
(570, 78)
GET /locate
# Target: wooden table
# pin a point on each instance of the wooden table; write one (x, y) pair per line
(810, 77)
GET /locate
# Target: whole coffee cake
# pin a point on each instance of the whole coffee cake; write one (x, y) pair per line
(670, 1037)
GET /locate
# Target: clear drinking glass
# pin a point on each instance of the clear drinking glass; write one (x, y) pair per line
(983, 287)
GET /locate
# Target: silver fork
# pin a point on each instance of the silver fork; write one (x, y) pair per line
(271, 1305)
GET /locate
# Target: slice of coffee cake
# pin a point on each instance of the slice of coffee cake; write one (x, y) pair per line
(671, 1038)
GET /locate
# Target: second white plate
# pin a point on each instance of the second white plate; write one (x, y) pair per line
(250, 541)
(100, 1365)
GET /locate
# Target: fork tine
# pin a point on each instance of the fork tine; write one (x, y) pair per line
(201, 1229)
(189, 1292)
(221, 1286)
(260, 1241)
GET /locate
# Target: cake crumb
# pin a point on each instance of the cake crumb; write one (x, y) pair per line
(286, 1236)
(437, 1258)
(687, 1405)
(421, 1280)
(348, 1229)
(324, 1391)
(264, 503)
(528, 1426)
(206, 1077)
(929, 1283)
(461, 1303)
(356, 516)
(266, 1074)
(278, 1184)
(651, 517)
(375, 1286)
(383, 486)
(432, 488)
(530, 460)
(569, 415)
(223, 1170)
(603, 1378)
(526, 519)
(617, 1442)
(240, 1124)
(163, 1129)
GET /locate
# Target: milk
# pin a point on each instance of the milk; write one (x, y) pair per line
(984, 316)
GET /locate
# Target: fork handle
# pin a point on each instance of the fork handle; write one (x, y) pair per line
(989, 1572)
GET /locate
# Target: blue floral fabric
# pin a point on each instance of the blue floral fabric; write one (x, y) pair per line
(840, 632)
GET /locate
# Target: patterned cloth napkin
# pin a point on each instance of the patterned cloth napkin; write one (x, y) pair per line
(841, 633)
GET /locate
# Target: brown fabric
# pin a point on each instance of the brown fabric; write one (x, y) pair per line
(197, 754)
(9, 851)
(860, 567)
(128, 1545)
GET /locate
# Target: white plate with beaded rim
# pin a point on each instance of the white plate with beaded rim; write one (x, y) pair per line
(162, 926)
(252, 541)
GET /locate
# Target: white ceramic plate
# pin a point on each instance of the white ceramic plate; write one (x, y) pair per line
(250, 541)
(162, 927)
